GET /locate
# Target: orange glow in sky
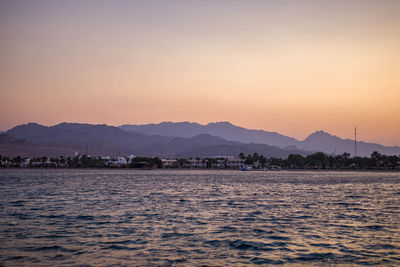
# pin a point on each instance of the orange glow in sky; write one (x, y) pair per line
(287, 66)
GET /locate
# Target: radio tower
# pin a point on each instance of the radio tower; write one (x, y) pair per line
(355, 141)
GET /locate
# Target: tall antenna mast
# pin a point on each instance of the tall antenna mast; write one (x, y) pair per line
(355, 141)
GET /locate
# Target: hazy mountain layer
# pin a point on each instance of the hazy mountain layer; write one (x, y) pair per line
(109, 140)
(318, 141)
(224, 130)
(100, 139)
(322, 141)
(12, 147)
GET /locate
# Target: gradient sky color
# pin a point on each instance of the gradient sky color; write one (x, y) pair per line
(287, 66)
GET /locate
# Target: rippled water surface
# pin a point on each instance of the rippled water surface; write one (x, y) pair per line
(214, 218)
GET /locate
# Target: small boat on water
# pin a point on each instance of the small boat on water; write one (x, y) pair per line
(247, 168)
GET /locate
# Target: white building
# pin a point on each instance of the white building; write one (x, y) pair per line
(219, 164)
(235, 163)
(168, 163)
(25, 163)
(118, 161)
(195, 163)
(130, 158)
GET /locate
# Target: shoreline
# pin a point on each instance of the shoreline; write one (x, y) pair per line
(198, 169)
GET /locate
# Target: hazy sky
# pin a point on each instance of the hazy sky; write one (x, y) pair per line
(287, 66)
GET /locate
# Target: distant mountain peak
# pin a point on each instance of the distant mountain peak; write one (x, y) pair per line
(205, 136)
(321, 134)
(222, 123)
(32, 124)
(171, 122)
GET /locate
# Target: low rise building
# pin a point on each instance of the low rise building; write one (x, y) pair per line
(195, 163)
(169, 163)
(235, 163)
(119, 161)
(25, 163)
(218, 164)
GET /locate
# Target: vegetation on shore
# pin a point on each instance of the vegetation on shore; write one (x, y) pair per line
(321, 160)
(317, 160)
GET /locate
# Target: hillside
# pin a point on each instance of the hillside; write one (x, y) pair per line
(225, 130)
(318, 141)
(109, 140)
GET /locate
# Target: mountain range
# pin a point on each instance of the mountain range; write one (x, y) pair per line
(225, 130)
(181, 139)
(66, 138)
(317, 141)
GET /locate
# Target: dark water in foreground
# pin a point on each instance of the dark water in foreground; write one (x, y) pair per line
(215, 218)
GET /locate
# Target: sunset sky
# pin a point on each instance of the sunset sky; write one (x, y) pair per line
(288, 66)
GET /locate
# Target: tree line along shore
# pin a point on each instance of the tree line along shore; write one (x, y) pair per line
(318, 160)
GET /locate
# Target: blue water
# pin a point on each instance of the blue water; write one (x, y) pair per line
(194, 218)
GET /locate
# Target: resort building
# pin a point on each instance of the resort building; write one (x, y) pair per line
(169, 163)
(195, 163)
(235, 163)
(119, 161)
(218, 164)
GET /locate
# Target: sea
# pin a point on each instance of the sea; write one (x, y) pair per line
(105, 217)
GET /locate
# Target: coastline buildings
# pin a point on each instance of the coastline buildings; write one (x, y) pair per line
(170, 162)
(317, 160)
(128, 161)
(235, 163)
(194, 163)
